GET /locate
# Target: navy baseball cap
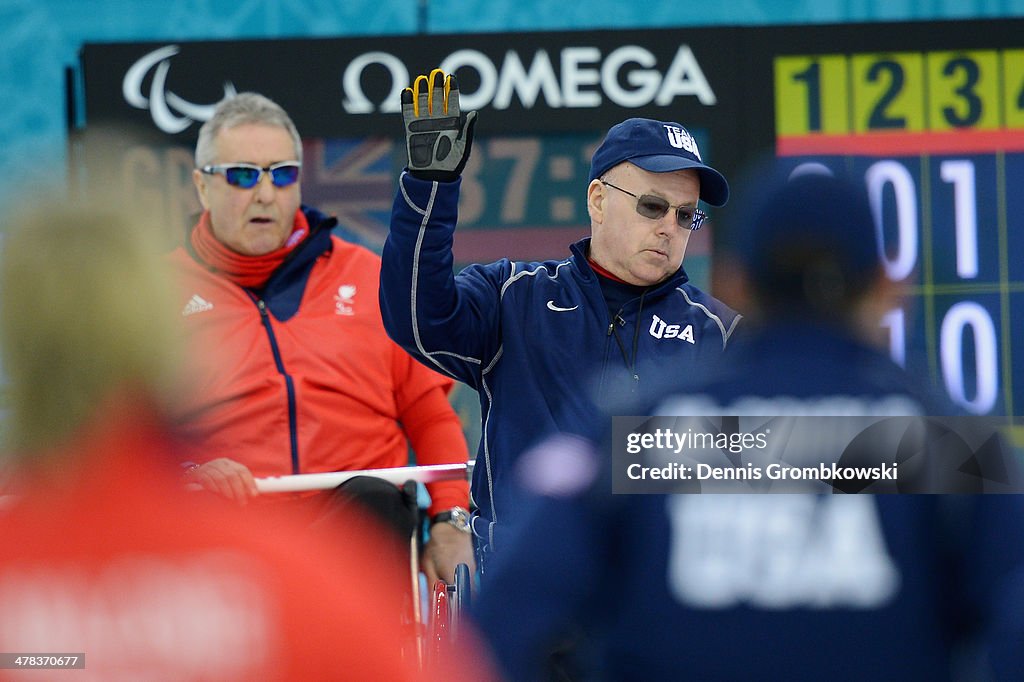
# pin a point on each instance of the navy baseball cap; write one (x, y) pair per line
(806, 223)
(658, 147)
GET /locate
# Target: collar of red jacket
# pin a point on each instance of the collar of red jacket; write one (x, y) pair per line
(246, 271)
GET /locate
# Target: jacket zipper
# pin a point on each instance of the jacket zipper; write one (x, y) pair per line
(293, 435)
(627, 358)
(607, 353)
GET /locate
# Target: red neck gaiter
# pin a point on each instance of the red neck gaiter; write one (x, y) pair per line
(245, 271)
(604, 273)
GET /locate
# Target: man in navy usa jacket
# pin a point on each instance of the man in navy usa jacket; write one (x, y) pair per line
(543, 342)
(763, 586)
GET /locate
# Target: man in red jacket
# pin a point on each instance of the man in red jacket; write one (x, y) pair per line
(295, 372)
(108, 567)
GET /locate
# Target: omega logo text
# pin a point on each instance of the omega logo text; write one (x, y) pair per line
(584, 79)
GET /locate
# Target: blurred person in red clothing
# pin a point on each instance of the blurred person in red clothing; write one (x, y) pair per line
(104, 555)
(295, 373)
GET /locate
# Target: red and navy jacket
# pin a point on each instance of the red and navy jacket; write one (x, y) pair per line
(533, 338)
(300, 377)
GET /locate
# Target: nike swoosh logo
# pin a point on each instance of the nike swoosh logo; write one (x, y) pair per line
(559, 309)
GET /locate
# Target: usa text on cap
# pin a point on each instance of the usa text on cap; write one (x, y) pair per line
(658, 147)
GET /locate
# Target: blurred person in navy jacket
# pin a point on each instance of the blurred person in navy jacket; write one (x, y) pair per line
(768, 586)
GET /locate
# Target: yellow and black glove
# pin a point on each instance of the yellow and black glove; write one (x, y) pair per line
(438, 134)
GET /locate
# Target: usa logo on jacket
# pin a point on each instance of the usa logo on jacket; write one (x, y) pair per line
(660, 329)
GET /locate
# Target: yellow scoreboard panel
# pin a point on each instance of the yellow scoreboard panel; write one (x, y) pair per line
(915, 102)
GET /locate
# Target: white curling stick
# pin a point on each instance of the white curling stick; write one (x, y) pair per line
(397, 475)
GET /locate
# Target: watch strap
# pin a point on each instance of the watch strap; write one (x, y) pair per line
(456, 516)
(441, 517)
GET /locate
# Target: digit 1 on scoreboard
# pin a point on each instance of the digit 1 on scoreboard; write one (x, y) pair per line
(811, 95)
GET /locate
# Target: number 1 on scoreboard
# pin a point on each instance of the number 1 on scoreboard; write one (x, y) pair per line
(811, 96)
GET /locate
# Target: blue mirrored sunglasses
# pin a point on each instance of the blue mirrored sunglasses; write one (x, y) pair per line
(247, 175)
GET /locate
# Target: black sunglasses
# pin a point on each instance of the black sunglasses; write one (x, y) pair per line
(247, 175)
(655, 208)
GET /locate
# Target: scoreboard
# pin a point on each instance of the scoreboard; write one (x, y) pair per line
(938, 138)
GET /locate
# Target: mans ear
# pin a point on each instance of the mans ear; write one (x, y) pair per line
(595, 201)
(199, 180)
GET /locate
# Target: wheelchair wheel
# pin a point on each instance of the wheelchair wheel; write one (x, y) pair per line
(439, 637)
(460, 592)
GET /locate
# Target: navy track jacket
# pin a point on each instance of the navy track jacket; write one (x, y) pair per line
(764, 586)
(536, 340)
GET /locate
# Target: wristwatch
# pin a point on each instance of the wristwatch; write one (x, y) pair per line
(456, 516)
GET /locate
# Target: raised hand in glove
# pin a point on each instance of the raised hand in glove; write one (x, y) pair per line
(438, 135)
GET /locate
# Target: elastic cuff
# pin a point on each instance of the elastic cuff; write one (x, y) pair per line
(434, 176)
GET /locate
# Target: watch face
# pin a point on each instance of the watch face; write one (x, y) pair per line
(460, 518)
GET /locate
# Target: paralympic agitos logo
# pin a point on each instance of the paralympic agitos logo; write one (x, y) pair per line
(171, 113)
